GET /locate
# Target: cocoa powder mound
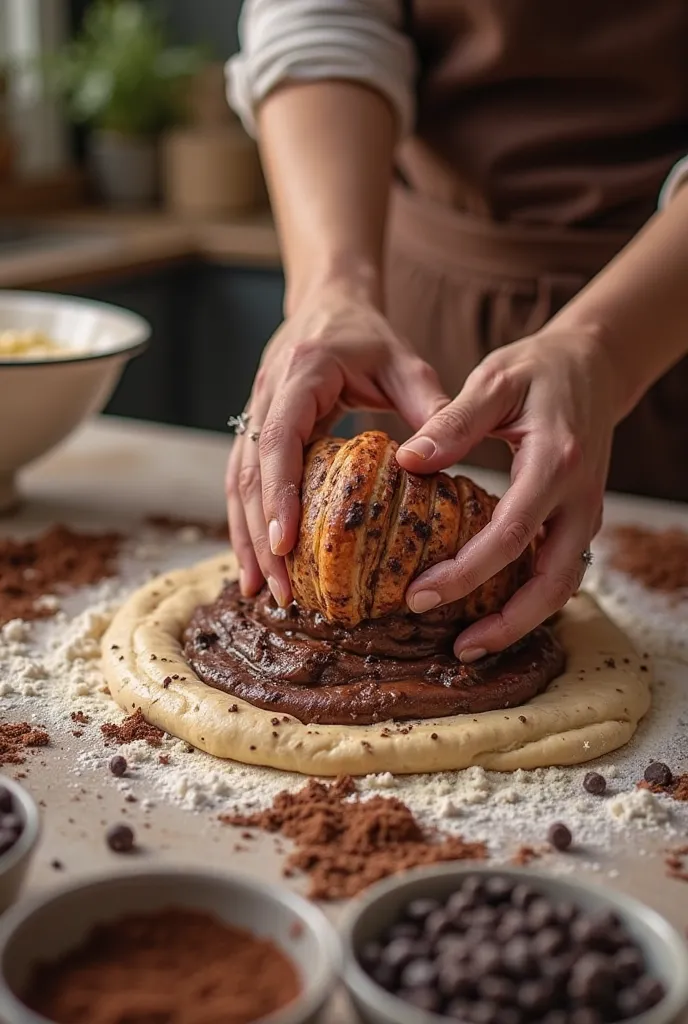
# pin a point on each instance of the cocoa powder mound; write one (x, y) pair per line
(656, 558)
(58, 560)
(16, 738)
(344, 843)
(134, 727)
(175, 966)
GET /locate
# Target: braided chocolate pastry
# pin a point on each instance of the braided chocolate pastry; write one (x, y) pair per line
(368, 528)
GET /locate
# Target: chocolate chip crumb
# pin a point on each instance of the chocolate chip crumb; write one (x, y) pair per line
(57, 865)
(434, 736)
(658, 774)
(559, 836)
(120, 838)
(233, 708)
(118, 765)
(166, 682)
(595, 783)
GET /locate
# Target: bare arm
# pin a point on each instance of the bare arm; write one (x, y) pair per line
(637, 307)
(327, 151)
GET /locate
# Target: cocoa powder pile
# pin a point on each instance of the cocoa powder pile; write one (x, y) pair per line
(18, 737)
(175, 966)
(345, 844)
(59, 559)
(677, 788)
(134, 727)
(656, 558)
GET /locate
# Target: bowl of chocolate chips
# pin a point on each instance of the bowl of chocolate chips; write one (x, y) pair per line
(511, 946)
(19, 830)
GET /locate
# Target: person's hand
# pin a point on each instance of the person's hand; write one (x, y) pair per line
(552, 398)
(333, 354)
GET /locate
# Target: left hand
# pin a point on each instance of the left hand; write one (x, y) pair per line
(551, 397)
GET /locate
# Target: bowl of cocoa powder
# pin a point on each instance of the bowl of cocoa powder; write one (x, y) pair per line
(510, 946)
(170, 947)
(19, 832)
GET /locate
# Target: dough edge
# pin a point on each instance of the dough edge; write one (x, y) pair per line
(594, 707)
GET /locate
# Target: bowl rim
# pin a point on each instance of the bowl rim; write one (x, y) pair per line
(315, 991)
(139, 326)
(362, 987)
(32, 826)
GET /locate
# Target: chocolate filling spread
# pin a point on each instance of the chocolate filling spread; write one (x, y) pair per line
(400, 667)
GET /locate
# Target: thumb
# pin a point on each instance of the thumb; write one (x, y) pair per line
(413, 388)
(455, 429)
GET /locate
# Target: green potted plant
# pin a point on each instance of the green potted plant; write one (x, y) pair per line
(122, 79)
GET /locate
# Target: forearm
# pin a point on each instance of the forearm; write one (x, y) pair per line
(327, 151)
(636, 309)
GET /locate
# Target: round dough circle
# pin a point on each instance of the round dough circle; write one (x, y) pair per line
(592, 708)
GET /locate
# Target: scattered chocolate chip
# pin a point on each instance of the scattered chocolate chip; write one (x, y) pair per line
(166, 682)
(658, 774)
(595, 783)
(118, 765)
(120, 839)
(57, 865)
(559, 836)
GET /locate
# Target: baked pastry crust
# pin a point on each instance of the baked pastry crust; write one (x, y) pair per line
(368, 528)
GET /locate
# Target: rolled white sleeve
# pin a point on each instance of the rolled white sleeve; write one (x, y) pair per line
(355, 40)
(676, 180)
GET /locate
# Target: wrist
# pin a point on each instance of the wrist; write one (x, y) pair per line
(354, 279)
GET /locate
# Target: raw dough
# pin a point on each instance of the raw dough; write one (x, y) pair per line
(594, 707)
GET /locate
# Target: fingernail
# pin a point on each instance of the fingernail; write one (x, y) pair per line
(274, 536)
(276, 591)
(242, 583)
(472, 654)
(424, 600)
(423, 447)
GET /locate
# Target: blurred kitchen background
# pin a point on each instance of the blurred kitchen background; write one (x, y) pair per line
(125, 177)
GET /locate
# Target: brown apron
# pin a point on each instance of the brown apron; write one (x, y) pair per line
(544, 134)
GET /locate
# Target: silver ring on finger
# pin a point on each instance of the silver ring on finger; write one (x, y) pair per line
(239, 424)
(254, 435)
(587, 558)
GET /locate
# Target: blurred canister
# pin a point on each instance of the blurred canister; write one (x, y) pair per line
(211, 167)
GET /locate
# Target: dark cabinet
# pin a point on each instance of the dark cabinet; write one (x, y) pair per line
(209, 323)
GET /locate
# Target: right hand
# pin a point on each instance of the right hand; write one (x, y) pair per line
(333, 354)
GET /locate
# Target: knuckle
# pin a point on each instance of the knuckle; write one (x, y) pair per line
(456, 419)
(507, 630)
(570, 455)
(249, 482)
(272, 437)
(516, 535)
(303, 352)
(560, 587)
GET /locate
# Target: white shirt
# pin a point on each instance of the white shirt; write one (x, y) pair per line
(355, 40)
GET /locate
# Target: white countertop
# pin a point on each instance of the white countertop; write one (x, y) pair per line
(114, 472)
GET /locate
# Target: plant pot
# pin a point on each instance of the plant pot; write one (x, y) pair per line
(125, 168)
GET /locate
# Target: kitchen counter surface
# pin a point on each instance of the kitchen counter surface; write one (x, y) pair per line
(91, 244)
(112, 473)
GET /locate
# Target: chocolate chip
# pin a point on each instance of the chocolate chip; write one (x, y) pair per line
(455, 980)
(497, 989)
(436, 924)
(403, 930)
(536, 997)
(398, 953)
(539, 915)
(592, 978)
(548, 942)
(645, 994)
(658, 774)
(628, 964)
(518, 958)
(118, 765)
(486, 1013)
(419, 974)
(487, 958)
(498, 889)
(11, 823)
(522, 896)
(585, 1015)
(6, 800)
(560, 836)
(120, 838)
(595, 783)
(370, 955)
(420, 909)
(423, 998)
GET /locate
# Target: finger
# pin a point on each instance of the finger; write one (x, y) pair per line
(483, 403)
(516, 521)
(250, 576)
(413, 388)
(559, 569)
(303, 400)
(272, 566)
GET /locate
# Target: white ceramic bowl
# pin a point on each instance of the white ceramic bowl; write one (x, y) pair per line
(41, 399)
(665, 950)
(15, 862)
(49, 928)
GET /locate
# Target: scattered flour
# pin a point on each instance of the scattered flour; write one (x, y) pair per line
(50, 669)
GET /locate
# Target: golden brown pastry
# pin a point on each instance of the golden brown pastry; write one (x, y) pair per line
(368, 528)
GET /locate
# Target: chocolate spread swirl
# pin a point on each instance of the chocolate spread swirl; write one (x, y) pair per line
(294, 662)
